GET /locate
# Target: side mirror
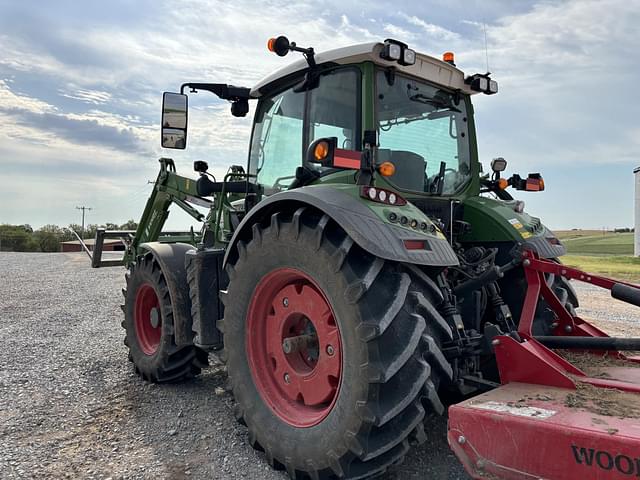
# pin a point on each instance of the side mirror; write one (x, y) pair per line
(174, 120)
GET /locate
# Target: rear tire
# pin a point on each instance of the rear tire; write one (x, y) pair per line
(389, 334)
(149, 327)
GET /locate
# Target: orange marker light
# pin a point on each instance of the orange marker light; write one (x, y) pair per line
(321, 150)
(448, 57)
(271, 44)
(386, 169)
(502, 183)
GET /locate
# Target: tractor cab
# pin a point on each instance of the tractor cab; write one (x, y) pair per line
(416, 106)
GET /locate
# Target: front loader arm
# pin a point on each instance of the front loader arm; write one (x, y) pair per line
(169, 188)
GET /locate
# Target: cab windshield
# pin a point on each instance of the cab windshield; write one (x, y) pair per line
(423, 131)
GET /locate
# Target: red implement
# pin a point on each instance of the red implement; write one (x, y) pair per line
(523, 431)
(553, 419)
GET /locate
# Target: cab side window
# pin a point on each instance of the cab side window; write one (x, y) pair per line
(276, 148)
(284, 129)
(333, 108)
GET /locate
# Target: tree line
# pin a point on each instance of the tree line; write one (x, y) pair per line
(23, 238)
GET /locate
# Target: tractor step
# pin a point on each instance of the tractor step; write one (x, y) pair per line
(525, 431)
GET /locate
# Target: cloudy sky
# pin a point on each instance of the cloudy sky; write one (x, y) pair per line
(81, 85)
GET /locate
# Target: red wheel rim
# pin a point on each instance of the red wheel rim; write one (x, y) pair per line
(300, 386)
(147, 319)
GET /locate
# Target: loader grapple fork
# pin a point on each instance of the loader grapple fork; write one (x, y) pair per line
(553, 419)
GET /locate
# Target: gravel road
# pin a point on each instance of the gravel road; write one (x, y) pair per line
(71, 407)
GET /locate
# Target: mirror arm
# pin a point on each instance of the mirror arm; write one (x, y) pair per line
(222, 90)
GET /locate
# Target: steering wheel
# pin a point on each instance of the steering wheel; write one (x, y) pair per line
(435, 180)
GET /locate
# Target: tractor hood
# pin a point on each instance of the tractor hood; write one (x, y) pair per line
(426, 67)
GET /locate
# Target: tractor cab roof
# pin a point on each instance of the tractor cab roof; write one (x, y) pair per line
(425, 67)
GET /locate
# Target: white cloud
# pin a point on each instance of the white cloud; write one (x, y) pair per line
(95, 97)
(398, 32)
(91, 93)
(435, 31)
(9, 100)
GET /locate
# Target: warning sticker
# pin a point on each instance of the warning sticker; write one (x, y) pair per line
(517, 410)
(520, 227)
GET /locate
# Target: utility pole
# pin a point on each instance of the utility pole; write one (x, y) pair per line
(83, 208)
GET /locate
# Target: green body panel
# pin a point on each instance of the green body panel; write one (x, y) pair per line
(382, 211)
(496, 221)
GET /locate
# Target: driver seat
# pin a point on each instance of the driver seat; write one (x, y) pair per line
(410, 168)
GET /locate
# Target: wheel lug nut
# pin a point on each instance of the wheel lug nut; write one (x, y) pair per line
(285, 301)
(330, 350)
(287, 379)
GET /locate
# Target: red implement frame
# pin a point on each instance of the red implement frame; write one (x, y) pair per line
(549, 420)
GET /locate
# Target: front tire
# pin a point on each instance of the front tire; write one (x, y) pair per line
(149, 327)
(351, 410)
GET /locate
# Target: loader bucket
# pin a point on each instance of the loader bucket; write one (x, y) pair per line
(569, 404)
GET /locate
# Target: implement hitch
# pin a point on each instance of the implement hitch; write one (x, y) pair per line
(558, 415)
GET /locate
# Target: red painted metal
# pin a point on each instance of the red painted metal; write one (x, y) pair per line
(147, 334)
(508, 433)
(300, 387)
(531, 362)
(522, 431)
(347, 158)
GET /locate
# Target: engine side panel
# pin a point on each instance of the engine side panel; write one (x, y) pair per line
(496, 221)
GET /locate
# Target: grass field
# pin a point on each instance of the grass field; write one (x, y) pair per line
(609, 254)
(618, 266)
(591, 242)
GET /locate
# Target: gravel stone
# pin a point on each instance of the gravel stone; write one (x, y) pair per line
(72, 407)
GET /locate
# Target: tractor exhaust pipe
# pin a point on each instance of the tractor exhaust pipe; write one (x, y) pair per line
(590, 343)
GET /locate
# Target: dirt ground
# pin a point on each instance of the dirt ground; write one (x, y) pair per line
(71, 407)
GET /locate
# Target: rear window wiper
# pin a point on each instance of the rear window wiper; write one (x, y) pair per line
(439, 104)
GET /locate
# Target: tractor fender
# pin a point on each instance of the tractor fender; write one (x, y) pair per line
(368, 230)
(171, 258)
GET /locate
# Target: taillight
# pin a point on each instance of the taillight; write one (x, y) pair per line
(416, 245)
(382, 195)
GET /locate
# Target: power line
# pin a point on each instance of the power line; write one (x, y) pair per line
(83, 208)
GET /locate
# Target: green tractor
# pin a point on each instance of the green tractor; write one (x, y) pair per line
(354, 275)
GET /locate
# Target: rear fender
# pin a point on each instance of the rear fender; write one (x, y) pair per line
(171, 258)
(364, 221)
